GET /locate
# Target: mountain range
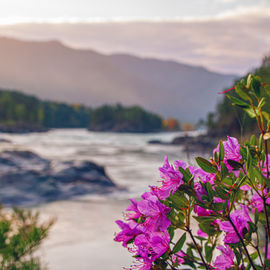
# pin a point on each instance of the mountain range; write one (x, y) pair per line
(50, 70)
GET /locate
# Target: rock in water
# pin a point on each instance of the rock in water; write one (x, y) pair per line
(28, 179)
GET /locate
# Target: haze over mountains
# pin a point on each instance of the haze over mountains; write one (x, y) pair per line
(50, 70)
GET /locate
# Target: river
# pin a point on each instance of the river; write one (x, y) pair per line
(82, 237)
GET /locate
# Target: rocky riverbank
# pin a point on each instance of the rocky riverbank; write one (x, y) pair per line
(29, 179)
(21, 128)
(197, 144)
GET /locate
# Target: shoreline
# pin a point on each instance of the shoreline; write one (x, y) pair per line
(82, 237)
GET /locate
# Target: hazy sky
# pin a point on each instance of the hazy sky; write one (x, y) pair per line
(32, 10)
(223, 35)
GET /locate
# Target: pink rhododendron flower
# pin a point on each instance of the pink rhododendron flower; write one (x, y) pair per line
(180, 164)
(240, 219)
(199, 190)
(180, 256)
(159, 243)
(202, 234)
(151, 211)
(133, 212)
(245, 188)
(218, 200)
(129, 231)
(172, 179)
(201, 176)
(155, 213)
(225, 260)
(141, 264)
(142, 244)
(231, 149)
(257, 202)
(201, 212)
(149, 247)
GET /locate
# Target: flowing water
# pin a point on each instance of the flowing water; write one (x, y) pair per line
(82, 237)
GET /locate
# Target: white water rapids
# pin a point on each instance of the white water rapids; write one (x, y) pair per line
(82, 237)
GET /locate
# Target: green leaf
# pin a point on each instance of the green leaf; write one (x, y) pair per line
(253, 140)
(178, 246)
(249, 80)
(266, 116)
(207, 228)
(210, 191)
(179, 200)
(260, 177)
(242, 93)
(250, 112)
(234, 164)
(208, 252)
(205, 218)
(176, 262)
(217, 207)
(249, 159)
(200, 238)
(238, 256)
(267, 263)
(261, 143)
(216, 157)
(238, 102)
(225, 205)
(256, 86)
(177, 219)
(224, 170)
(267, 89)
(220, 192)
(261, 103)
(171, 232)
(242, 181)
(186, 175)
(187, 189)
(206, 165)
(243, 152)
(221, 152)
(253, 256)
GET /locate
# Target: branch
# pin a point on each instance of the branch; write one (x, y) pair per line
(242, 242)
(199, 251)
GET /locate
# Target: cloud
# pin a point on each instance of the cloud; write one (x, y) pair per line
(227, 1)
(228, 43)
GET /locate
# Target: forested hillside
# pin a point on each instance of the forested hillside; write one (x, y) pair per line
(229, 119)
(64, 74)
(124, 119)
(20, 109)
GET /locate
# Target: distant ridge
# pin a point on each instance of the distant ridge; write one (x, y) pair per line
(50, 70)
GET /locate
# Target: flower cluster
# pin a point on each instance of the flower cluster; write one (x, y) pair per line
(149, 221)
(146, 227)
(225, 199)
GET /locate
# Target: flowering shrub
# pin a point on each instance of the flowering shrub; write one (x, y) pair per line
(21, 234)
(214, 216)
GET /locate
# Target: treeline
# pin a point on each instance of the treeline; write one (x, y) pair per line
(20, 109)
(124, 119)
(229, 119)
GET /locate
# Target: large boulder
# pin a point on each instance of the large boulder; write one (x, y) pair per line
(28, 179)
